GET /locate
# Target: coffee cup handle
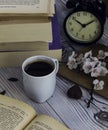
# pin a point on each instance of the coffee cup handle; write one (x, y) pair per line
(56, 64)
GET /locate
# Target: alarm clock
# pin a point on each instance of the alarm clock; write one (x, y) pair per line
(85, 21)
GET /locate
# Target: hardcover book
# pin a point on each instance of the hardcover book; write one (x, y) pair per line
(54, 33)
(15, 58)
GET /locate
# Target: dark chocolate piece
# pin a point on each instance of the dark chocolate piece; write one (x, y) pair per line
(13, 79)
(74, 92)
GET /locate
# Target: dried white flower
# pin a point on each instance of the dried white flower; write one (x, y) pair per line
(80, 59)
(98, 85)
(73, 55)
(87, 67)
(99, 71)
(103, 64)
(106, 54)
(94, 59)
(72, 64)
(88, 54)
(96, 81)
(101, 83)
(90, 64)
(102, 55)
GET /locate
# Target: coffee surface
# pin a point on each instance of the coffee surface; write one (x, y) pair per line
(39, 68)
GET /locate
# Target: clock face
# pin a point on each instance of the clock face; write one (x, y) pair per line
(83, 27)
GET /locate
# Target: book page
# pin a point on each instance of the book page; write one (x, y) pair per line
(14, 114)
(24, 46)
(24, 6)
(44, 122)
(16, 58)
(26, 32)
(52, 8)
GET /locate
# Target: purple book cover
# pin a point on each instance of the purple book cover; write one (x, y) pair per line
(55, 44)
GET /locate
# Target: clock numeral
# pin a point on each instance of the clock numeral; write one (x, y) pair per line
(95, 32)
(70, 23)
(90, 36)
(73, 17)
(72, 29)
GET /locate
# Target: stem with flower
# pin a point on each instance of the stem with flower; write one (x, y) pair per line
(95, 66)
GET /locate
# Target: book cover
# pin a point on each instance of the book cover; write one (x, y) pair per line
(56, 43)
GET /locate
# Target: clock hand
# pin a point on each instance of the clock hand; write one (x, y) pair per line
(79, 22)
(89, 23)
(82, 25)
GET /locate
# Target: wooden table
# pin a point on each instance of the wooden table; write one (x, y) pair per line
(73, 113)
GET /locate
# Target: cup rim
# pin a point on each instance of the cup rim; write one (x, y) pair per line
(33, 57)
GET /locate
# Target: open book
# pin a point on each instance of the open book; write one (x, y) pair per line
(26, 7)
(17, 115)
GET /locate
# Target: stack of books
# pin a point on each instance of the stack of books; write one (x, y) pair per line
(28, 28)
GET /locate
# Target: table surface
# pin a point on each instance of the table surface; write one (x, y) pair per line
(73, 113)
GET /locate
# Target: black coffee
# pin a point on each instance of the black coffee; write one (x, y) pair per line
(39, 68)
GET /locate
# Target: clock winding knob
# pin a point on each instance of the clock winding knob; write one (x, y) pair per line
(72, 3)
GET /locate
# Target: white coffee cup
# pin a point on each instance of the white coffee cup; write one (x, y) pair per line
(40, 88)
